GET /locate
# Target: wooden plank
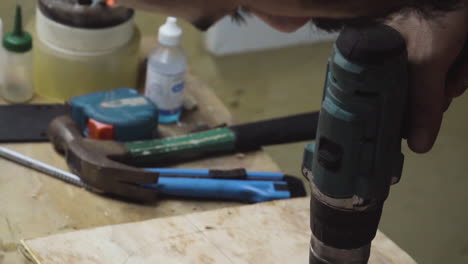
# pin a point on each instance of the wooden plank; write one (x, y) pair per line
(275, 232)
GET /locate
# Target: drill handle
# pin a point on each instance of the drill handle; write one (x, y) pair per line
(289, 129)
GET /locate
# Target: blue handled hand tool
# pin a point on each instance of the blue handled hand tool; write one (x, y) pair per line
(235, 174)
(233, 185)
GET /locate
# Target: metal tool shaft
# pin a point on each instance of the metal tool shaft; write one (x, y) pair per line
(42, 167)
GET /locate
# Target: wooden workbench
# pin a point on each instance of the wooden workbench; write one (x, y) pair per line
(35, 205)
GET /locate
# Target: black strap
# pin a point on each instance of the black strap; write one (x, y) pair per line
(236, 174)
(289, 129)
(28, 122)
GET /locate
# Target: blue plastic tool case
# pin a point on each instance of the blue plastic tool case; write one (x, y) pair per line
(133, 116)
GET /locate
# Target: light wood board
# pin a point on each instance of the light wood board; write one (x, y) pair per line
(275, 232)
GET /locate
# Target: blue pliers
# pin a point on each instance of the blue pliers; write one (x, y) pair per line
(232, 185)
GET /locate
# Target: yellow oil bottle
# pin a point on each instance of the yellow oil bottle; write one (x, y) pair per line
(72, 59)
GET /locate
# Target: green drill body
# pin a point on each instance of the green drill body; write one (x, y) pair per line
(358, 143)
(357, 153)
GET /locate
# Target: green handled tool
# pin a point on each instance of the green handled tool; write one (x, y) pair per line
(238, 138)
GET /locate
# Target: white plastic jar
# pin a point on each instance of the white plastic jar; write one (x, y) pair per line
(95, 50)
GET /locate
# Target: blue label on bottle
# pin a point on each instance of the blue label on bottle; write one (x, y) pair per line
(165, 90)
(170, 112)
(178, 87)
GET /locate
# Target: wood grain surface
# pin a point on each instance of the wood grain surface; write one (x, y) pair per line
(270, 233)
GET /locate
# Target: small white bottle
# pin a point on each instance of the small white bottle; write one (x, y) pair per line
(165, 76)
(18, 66)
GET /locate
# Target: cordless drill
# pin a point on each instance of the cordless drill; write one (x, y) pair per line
(357, 153)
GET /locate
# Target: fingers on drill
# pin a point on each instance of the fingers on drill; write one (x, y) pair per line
(448, 101)
(457, 80)
(427, 105)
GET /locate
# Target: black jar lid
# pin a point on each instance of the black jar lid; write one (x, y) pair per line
(83, 14)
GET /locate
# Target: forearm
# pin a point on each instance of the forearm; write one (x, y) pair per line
(310, 8)
(147, 5)
(333, 8)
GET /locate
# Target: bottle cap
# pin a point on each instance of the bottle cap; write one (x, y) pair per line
(18, 40)
(170, 33)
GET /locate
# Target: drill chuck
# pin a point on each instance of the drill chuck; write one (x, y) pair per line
(357, 154)
(320, 253)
